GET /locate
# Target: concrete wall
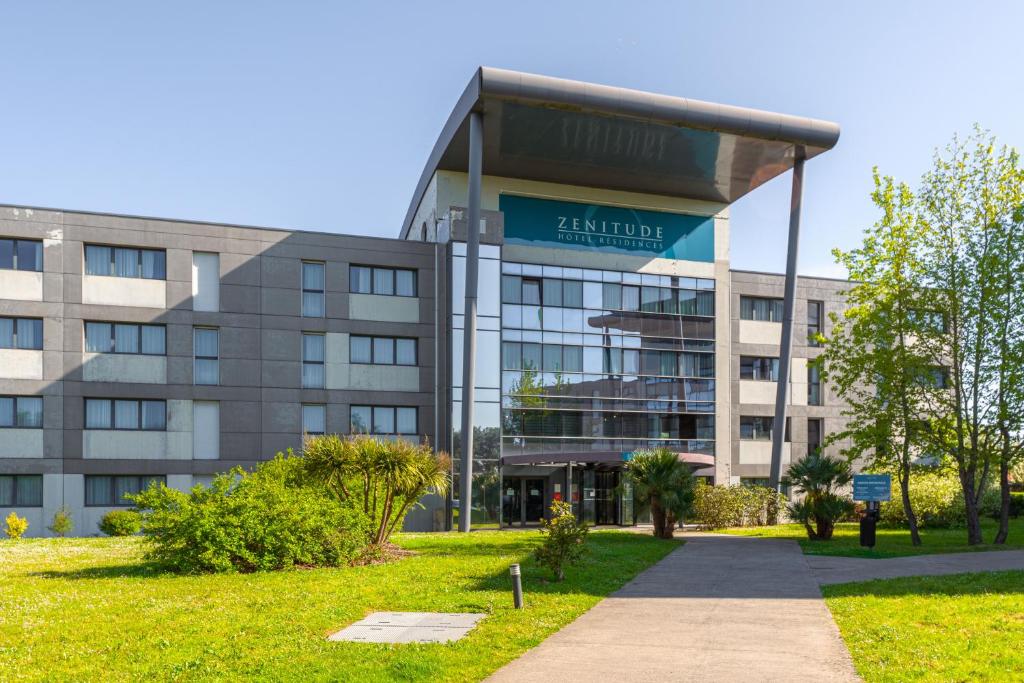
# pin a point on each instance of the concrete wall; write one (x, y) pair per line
(21, 284)
(258, 314)
(756, 398)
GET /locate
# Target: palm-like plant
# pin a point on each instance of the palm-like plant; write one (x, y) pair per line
(663, 481)
(386, 478)
(819, 477)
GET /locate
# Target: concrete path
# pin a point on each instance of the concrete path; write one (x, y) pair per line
(721, 608)
(829, 570)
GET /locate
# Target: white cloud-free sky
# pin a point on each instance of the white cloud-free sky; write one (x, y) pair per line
(320, 115)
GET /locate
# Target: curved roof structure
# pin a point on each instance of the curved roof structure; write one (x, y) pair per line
(563, 131)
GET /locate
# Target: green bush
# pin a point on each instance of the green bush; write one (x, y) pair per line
(62, 524)
(936, 498)
(16, 526)
(121, 523)
(564, 539)
(272, 518)
(718, 507)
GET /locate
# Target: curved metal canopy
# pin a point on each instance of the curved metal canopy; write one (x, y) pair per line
(563, 131)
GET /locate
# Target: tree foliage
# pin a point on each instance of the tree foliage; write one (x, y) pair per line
(874, 357)
(819, 478)
(383, 478)
(564, 540)
(660, 479)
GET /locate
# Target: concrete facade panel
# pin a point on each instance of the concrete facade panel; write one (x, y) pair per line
(21, 364)
(21, 443)
(123, 367)
(384, 308)
(21, 284)
(120, 291)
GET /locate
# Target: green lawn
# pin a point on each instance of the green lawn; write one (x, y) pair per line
(92, 609)
(965, 627)
(889, 542)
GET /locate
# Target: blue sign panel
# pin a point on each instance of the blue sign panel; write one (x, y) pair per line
(546, 222)
(872, 487)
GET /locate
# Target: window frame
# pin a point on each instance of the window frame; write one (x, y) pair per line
(112, 270)
(775, 305)
(817, 327)
(14, 333)
(355, 267)
(140, 479)
(394, 350)
(756, 366)
(322, 363)
(302, 417)
(394, 419)
(113, 337)
(14, 254)
(305, 290)
(15, 422)
(15, 478)
(113, 417)
(196, 357)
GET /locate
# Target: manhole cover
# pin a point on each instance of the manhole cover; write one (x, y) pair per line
(408, 627)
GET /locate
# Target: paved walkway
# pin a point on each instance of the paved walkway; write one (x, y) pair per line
(721, 608)
(847, 569)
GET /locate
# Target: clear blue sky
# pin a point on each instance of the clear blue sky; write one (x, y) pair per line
(320, 115)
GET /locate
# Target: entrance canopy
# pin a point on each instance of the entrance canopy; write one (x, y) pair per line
(561, 131)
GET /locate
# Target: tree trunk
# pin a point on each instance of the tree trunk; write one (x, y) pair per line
(670, 525)
(657, 517)
(973, 523)
(1004, 500)
(908, 510)
(824, 528)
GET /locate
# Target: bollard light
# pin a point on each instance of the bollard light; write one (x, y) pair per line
(517, 587)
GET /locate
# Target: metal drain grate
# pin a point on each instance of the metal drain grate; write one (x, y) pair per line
(409, 627)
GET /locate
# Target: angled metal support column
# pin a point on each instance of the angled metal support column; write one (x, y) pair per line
(788, 305)
(476, 155)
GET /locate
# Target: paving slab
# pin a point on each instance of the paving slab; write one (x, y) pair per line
(409, 627)
(721, 608)
(830, 570)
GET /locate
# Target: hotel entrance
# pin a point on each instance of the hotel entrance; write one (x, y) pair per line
(601, 496)
(523, 501)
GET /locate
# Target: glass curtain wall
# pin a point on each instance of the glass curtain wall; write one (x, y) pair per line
(602, 361)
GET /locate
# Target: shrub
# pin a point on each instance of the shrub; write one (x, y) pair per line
(383, 478)
(121, 523)
(62, 523)
(938, 501)
(272, 518)
(717, 507)
(16, 526)
(660, 479)
(819, 477)
(564, 540)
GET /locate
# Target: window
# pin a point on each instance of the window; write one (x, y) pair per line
(21, 490)
(206, 345)
(312, 361)
(813, 385)
(21, 333)
(128, 414)
(384, 420)
(149, 264)
(756, 428)
(757, 308)
(314, 419)
(21, 411)
(21, 255)
(313, 289)
(382, 350)
(104, 490)
(814, 435)
(815, 313)
(384, 281)
(936, 377)
(103, 337)
(205, 430)
(759, 368)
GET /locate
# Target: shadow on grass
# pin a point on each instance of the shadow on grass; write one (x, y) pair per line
(949, 585)
(119, 571)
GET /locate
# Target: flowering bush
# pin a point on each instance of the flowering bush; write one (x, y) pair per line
(564, 539)
(16, 526)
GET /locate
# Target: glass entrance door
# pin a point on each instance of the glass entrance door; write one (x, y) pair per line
(606, 500)
(533, 499)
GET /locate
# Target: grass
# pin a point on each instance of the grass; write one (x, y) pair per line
(93, 609)
(964, 627)
(888, 542)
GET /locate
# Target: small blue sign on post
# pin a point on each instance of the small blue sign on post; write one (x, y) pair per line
(872, 487)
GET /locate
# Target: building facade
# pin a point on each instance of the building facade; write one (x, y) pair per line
(608, 321)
